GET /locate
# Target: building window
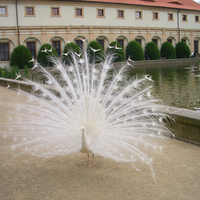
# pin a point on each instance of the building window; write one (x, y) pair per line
(120, 14)
(56, 46)
(121, 42)
(138, 14)
(55, 12)
(183, 40)
(101, 42)
(170, 17)
(155, 15)
(196, 18)
(31, 48)
(4, 52)
(79, 43)
(184, 18)
(196, 47)
(155, 41)
(79, 12)
(139, 41)
(169, 40)
(3, 11)
(30, 11)
(100, 12)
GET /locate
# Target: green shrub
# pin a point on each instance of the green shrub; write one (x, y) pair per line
(134, 51)
(70, 48)
(182, 50)
(44, 57)
(152, 51)
(95, 57)
(168, 51)
(117, 51)
(2, 72)
(20, 57)
(12, 73)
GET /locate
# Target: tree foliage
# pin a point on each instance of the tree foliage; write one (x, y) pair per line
(45, 53)
(168, 51)
(68, 50)
(134, 51)
(182, 50)
(116, 49)
(152, 51)
(95, 52)
(20, 57)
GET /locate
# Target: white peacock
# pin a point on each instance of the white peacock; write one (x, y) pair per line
(90, 108)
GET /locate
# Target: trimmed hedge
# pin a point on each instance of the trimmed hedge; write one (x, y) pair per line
(70, 48)
(182, 50)
(117, 51)
(44, 57)
(95, 57)
(20, 57)
(134, 51)
(12, 73)
(168, 51)
(152, 51)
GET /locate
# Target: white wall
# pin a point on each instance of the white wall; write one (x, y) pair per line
(43, 17)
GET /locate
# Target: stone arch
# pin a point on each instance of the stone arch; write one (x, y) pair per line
(5, 60)
(36, 44)
(172, 40)
(4, 39)
(157, 40)
(186, 40)
(103, 41)
(140, 39)
(123, 40)
(58, 42)
(81, 41)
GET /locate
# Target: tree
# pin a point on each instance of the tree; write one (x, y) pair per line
(152, 51)
(134, 51)
(68, 50)
(45, 53)
(168, 51)
(182, 50)
(95, 52)
(20, 57)
(116, 49)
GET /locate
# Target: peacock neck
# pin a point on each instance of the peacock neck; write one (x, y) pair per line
(85, 145)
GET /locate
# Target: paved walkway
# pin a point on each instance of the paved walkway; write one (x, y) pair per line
(25, 177)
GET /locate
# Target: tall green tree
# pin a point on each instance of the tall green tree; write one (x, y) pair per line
(45, 54)
(152, 51)
(134, 51)
(69, 49)
(95, 52)
(20, 57)
(182, 50)
(116, 49)
(168, 51)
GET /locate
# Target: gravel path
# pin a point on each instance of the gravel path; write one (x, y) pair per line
(177, 172)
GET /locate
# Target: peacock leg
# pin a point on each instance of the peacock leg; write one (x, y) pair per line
(93, 164)
(87, 163)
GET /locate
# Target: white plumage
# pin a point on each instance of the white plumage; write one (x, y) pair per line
(87, 107)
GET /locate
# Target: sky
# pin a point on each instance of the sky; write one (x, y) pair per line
(198, 1)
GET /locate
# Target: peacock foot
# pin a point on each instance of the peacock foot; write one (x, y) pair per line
(92, 165)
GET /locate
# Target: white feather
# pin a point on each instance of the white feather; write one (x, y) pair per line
(115, 127)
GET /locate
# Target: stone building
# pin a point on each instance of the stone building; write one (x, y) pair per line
(34, 22)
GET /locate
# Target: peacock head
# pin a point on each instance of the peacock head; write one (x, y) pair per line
(82, 129)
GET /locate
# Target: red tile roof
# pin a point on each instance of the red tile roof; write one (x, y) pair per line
(179, 4)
